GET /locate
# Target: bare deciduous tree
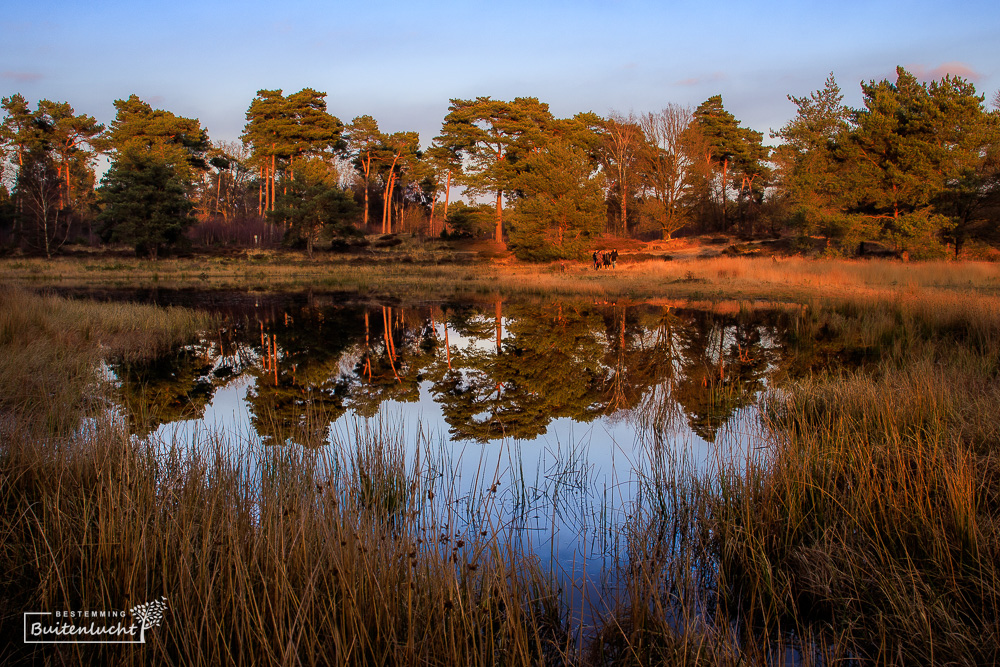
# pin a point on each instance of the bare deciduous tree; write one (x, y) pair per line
(40, 187)
(623, 142)
(667, 164)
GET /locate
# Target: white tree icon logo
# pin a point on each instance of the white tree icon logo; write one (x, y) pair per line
(150, 615)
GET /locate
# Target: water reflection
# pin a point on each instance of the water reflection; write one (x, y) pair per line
(494, 370)
(544, 420)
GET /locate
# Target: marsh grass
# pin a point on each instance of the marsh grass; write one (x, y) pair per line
(275, 568)
(875, 507)
(860, 524)
(52, 345)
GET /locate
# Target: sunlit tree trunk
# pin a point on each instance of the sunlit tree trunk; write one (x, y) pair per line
(273, 175)
(499, 229)
(447, 194)
(430, 223)
(367, 164)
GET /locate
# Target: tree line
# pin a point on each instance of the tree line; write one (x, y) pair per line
(917, 167)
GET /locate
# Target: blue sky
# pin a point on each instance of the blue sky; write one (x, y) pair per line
(402, 62)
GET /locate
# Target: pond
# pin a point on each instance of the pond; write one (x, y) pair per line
(548, 416)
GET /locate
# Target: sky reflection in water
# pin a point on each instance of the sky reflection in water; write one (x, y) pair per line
(561, 405)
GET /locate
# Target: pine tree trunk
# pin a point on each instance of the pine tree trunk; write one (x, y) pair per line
(447, 194)
(387, 207)
(430, 223)
(725, 168)
(367, 166)
(499, 229)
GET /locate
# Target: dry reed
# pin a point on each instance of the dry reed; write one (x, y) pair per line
(866, 530)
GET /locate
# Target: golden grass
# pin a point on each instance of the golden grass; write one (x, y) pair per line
(878, 498)
(52, 347)
(866, 529)
(294, 567)
(792, 279)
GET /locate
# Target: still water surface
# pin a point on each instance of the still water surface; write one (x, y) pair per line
(555, 410)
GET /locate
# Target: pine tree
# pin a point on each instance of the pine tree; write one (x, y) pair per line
(561, 204)
(492, 136)
(810, 170)
(363, 141)
(145, 204)
(920, 158)
(140, 131)
(734, 150)
(281, 130)
(443, 163)
(54, 162)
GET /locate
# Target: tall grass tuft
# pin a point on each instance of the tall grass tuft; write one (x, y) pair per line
(874, 510)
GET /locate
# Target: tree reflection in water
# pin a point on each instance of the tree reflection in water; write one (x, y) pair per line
(495, 370)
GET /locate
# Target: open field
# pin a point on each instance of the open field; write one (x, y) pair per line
(718, 278)
(865, 527)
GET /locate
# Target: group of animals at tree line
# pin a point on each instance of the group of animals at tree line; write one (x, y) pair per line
(918, 166)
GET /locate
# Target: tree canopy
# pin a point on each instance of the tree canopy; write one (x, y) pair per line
(280, 129)
(492, 137)
(139, 130)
